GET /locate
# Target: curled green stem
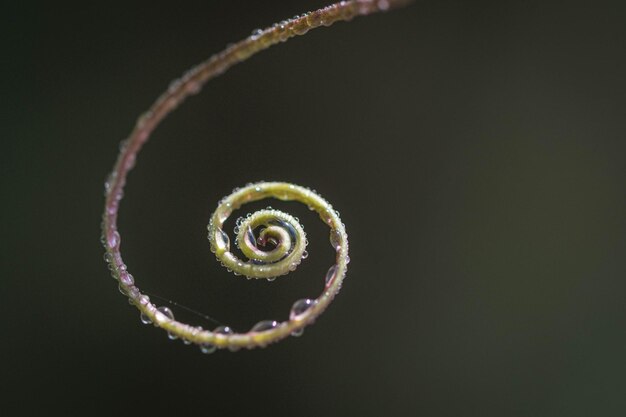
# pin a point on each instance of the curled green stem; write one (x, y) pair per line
(280, 230)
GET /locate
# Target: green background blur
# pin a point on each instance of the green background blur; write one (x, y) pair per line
(475, 150)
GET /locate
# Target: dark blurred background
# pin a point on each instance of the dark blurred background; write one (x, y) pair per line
(475, 150)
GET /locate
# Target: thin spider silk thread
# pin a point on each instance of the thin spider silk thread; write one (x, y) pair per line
(262, 230)
(183, 307)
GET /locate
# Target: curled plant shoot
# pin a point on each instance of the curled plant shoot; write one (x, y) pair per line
(274, 242)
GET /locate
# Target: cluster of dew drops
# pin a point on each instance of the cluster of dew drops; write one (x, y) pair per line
(284, 27)
(164, 313)
(128, 289)
(126, 280)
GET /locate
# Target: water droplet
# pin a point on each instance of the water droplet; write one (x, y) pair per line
(272, 279)
(347, 259)
(113, 239)
(126, 278)
(383, 4)
(264, 325)
(133, 292)
(330, 275)
(301, 30)
(207, 348)
(145, 319)
(335, 239)
(144, 118)
(300, 307)
(225, 240)
(171, 336)
(144, 300)
(163, 314)
(174, 84)
(111, 209)
(186, 341)
(223, 330)
(256, 33)
(298, 332)
(305, 255)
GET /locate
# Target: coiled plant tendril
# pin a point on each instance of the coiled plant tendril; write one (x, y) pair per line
(281, 241)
